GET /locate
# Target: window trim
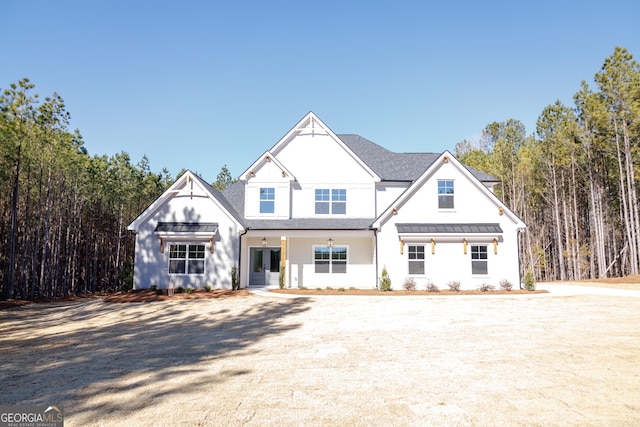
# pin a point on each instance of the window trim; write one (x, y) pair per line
(186, 259)
(331, 261)
(269, 199)
(415, 261)
(335, 200)
(477, 259)
(446, 195)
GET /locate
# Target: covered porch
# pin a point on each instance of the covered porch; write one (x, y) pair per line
(308, 258)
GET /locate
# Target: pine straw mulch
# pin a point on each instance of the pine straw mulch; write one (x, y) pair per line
(377, 292)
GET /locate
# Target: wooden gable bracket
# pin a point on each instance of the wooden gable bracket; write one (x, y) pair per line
(210, 245)
(433, 246)
(501, 211)
(446, 159)
(495, 245)
(252, 173)
(161, 245)
(395, 211)
(464, 245)
(401, 246)
(283, 174)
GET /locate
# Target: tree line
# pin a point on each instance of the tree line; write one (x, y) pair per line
(63, 213)
(575, 180)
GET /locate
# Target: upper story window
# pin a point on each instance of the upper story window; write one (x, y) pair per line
(330, 260)
(416, 259)
(479, 260)
(331, 201)
(267, 199)
(186, 259)
(445, 194)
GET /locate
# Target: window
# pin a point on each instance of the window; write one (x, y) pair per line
(322, 201)
(330, 260)
(332, 201)
(186, 259)
(416, 259)
(479, 259)
(339, 201)
(445, 194)
(267, 199)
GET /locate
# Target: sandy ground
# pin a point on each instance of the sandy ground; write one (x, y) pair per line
(546, 359)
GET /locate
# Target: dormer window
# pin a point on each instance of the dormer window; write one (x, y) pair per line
(445, 194)
(331, 201)
(267, 199)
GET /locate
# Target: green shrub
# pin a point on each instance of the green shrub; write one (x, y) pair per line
(409, 284)
(126, 287)
(189, 290)
(340, 289)
(385, 280)
(304, 288)
(529, 281)
(207, 288)
(158, 291)
(329, 288)
(153, 288)
(352, 288)
(318, 289)
(179, 290)
(235, 284)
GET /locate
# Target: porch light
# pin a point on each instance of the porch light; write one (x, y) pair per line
(330, 242)
(264, 242)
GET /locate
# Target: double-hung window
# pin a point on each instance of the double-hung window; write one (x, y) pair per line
(331, 201)
(445, 194)
(479, 259)
(267, 199)
(330, 260)
(416, 259)
(186, 259)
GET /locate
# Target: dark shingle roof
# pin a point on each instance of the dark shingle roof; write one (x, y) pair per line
(390, 166)
(431, 228)
(187, 227)
(311, 224)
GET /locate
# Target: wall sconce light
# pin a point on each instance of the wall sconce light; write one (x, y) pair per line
(330, 243)
(264, 242)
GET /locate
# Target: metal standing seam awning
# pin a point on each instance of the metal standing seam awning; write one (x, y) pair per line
(186, 230)
(451, 232)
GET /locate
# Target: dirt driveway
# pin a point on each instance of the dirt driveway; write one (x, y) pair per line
(348, 361)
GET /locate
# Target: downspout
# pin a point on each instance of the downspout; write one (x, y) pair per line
(519, 262)
(240, 256)
(375, 236)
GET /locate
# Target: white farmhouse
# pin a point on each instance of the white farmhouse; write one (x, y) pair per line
(320, 209)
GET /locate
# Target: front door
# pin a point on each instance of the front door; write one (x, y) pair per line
(265, 266)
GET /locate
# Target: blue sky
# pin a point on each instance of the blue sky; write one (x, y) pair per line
(201, 84)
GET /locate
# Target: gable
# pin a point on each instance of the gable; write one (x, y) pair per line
(473, 201)
(313, 153)
(186, 200)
